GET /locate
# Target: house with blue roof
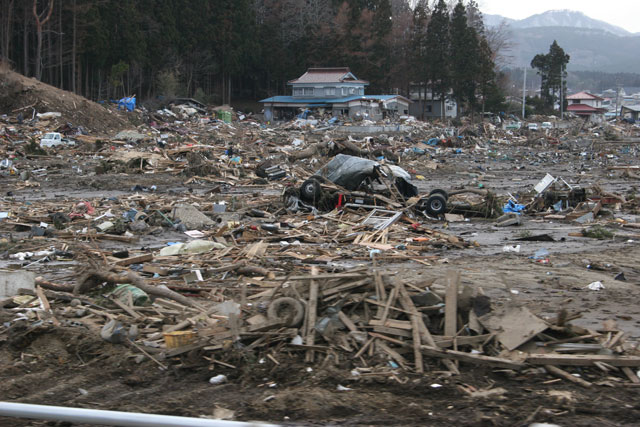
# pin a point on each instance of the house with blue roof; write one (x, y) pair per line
(336, 91)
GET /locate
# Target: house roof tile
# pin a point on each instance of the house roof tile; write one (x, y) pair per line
(328, 75)
(584, 95)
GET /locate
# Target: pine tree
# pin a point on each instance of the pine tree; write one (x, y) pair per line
(552, 69)
(419, 62)
(381, 52)
(438, 42)
(464, 58)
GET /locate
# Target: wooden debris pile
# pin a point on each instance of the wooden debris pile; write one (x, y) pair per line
(363, 320)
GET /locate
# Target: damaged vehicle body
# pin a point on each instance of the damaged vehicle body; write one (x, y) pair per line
(350, 180)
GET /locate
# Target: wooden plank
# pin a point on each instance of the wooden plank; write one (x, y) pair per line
(381, 305)
(380, 292)
(364, 348)
(444, 341)
(392, 331)
(391, 323)
(476, 359)
(451, 304)
(391, 300)
(327, 276)
(394, 354)
(425, 335)
(312, 308)
(581, 359)
(554, 370)
(347, 321)
(386, 338)
(416, 318)
(139, 259)
(46, 305)
(630, 374)
(126, 308)
(345, 287)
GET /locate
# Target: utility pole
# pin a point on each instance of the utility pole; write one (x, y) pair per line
(524, 91)
(561, 95)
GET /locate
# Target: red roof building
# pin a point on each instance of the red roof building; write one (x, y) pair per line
(585, 104)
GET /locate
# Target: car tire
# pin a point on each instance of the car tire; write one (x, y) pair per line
(287, 310)
(436, 205)
(440, 191)
(310, 190)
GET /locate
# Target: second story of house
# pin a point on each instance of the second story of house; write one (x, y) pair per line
(585, 98)
(327, 83)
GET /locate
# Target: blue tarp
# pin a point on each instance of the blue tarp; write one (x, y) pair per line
(512, 207)
(128, 103)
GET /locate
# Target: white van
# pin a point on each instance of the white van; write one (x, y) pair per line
(53, 139)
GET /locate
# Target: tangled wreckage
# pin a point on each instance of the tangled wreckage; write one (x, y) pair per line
(204, 264)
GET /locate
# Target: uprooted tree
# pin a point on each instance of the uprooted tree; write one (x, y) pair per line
(552, 69)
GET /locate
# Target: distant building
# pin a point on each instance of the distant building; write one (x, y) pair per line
(630, 112)
(336, 91)
(426, 105)
(586, 104)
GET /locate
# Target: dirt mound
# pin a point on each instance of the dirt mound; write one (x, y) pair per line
(30, 96)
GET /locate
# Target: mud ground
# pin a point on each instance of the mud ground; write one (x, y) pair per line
(72, 366)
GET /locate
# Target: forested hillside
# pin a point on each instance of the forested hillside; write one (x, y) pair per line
(228, 49)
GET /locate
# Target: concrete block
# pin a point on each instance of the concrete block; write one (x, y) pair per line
(191, 217)
(11, 281)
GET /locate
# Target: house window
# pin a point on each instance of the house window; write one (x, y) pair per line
(352, 90)
(307, 91)
(344, 90)
(297, 91)
(575, 101)
(449, 108)
(428, 109)
(361, 91)
(331, 91)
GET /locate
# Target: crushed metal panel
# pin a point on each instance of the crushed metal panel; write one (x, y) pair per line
(544, 183)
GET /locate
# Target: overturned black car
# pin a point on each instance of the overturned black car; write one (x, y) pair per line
(349, 180)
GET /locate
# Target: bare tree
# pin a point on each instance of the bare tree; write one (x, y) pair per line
(6, 28)
(40, 21)
(499, 39)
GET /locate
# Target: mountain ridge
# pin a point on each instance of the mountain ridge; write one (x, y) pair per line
(593, 45)
(558, 18)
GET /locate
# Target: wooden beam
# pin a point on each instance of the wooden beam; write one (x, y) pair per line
(451, 304)
(560, 373)
(425, 335)
(476, 359)
(581, 359)
(139, 259)
(391, 323)
(347, 321)
(46, 305)
(312, 308)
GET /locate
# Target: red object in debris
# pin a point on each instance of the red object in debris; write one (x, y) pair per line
(415, 226)
(82, 209)
(339, 205)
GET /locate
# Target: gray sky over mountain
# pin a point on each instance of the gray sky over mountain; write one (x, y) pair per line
(623, 13)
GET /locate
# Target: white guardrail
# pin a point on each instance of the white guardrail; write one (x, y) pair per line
(112, 418)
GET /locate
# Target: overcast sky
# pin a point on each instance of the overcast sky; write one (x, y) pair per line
(623, 13)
